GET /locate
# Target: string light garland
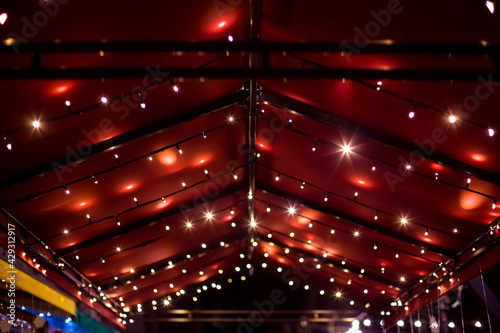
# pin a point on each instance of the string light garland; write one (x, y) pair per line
(406, 168)
(378, 87)
(355, 200)
(92, 177)
(105, 100)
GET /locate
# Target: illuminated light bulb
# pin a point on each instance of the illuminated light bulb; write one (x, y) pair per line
(343, 262)
(306, 287)
(269, 235)
(404, 220)
(494, 204)
(36, 123)
(253, 224)
(233, 224)
(103, 261)
(150, 157)
(287, 250)
(338, 294)
(418, 323)
(452, 118)
(326, 197)
(401, 323)
(451, 324)
(222, 244)
(8, 144)
(95, 180)
(411, 115)
(291, 210)
(355, 196)
(204, 135)
(436, 176)
(376, 216)
(366, 322)
(231, 119)
(104, 100)
(67, 103)
(491, 132)
(231, 211)
(264, 265)
(356, 233)
(379, 83)
(235, 176)
(292, 234)
(143, 105)
(375, 246)
(3, 18)
(66, 189)
(378, 88)
(310, 224)
(209, 216)
(277, 177)
(321, 292)
(332, 279)
(309, 241)
(314, 146)
(175, 87)
(325, 255)
(490, 4)
(118, 249)
(426, 232)
(408, 167)
(346, 149)
(318, 266)
(403, 279)
(66, 231)
(179, 149)
(268, 209)
(332, 231)
(422, 251)
(230, 38)
(183, 184)
(189, 224)
(473, 249)
(250, 195)
(374, 166)
(303, 185)
(397, 255)
(455, 230)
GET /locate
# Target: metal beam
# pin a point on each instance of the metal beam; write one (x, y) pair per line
(316, 114)
(155, 128)
(245, 46)
(248, 73)
(139, 224)
(360, 222)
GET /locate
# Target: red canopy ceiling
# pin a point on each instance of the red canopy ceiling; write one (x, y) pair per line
(320, 165)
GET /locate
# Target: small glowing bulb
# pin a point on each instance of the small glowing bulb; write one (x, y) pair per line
(292, 234)
(403, 279)
(397, 255)
(68, 103)
(231, 119)
(143, 105)
(404, 220)
(411, 114)
(346, 149)
(490, 4)
(118, 249)
(175, 88)
(326, 197)
(379, 83)
(291, 210)
(209, 216)
(3, 18)
(356, 233)
(253, 224)
(104, 100)
(408, 166)
(230, 38)
(491, 132)
(277, 177)
(494, 204)
(338, 294)
(478, 324)
(332, 231)
(66, 231)
(268, 209)
(36, 123)
(189, 225)
(455, 230)
(452, 119)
